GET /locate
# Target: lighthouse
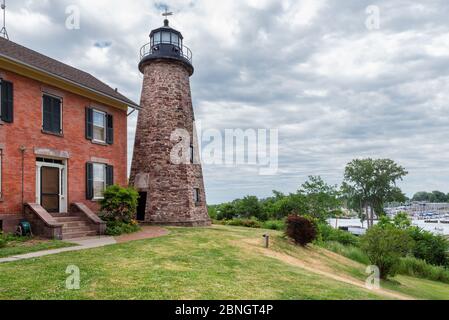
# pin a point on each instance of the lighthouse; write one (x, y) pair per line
(171, 191)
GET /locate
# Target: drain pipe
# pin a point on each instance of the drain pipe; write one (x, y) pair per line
(22, 150)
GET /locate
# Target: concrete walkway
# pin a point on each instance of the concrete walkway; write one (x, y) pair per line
(147, 232)
(82, 244)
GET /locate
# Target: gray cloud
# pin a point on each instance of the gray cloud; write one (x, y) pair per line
(311, 69)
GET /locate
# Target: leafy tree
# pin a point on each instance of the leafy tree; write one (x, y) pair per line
(430, 247)
(384, 246)
(226, 211)
(249, 207)
(322, 199)
(372, 182)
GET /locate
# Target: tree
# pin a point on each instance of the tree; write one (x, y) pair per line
(385, 245)
(249, 207)
(372, 182)
(323, 200)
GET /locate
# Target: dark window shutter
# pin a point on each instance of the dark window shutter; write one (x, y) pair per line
(7, 103)
(109, 176)
(56, 115)
(89, 124)
(109, 129)
(47, 110)
(89, 181)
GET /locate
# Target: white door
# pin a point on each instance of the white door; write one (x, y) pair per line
(51, 185)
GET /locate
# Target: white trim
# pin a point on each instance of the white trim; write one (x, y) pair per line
(63, 207)
(104, 126)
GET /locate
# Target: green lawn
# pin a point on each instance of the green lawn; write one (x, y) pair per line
(15, 248)
(214, 263)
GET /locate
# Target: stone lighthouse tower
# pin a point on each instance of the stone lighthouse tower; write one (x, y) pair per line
(165, 168)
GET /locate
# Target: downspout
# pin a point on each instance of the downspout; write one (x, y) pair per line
(22, 150)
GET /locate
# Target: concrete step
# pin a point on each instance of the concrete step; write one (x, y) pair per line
(76, 224)
(68, 219)
(76, 235)
(78, 229)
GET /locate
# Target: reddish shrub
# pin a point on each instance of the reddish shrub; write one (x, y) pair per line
(301, 230)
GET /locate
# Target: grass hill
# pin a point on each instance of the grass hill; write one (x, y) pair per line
(215, 263)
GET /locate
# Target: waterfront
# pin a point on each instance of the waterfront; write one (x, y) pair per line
(437, 228)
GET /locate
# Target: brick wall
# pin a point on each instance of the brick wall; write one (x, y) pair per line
(26, 131)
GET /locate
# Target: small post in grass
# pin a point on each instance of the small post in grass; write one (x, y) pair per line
(267, 240)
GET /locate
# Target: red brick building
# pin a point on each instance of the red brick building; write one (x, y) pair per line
(63, 139)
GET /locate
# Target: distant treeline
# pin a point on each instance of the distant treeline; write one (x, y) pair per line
(434, 197)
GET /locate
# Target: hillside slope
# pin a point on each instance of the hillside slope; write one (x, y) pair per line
(213, 263)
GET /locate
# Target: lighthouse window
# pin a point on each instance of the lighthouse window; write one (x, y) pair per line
(175, 39)
(99, 126)
(196, 195)
(157, 38)
(165, 37)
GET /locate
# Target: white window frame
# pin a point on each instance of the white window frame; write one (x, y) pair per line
(94, 180)
(61, 112)
(104, 125)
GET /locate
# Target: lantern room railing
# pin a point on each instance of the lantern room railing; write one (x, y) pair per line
(182, 51)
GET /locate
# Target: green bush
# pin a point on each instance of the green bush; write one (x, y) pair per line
(327, 233)
(430, 247)
(300, 229)
(413, 267)
(384, 246)
(248, 223)
(3, 240)
(348, 251)
(119, 204)
(117, 228)
(274, 225)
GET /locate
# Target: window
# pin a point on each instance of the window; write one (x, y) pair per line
(6, 101)
(192, 154)
(157, 38)
(98, 177)
(99, 126)
(52, 114)
(196, 195)
(99, 180)
(165, 37)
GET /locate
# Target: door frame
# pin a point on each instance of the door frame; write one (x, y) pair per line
(63, 208)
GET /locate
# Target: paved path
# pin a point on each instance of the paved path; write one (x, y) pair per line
(147, 232)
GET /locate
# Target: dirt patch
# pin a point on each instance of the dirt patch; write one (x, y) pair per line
(312, 262)
(147, 232)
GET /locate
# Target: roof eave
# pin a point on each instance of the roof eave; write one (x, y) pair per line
(129, 104)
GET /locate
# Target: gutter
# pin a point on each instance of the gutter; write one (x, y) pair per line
(133, 105)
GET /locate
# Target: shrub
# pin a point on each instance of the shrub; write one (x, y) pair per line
(384, 246)
(274, 225)
(300, 229)
(248, 223)
(3, 240)
(119, 204)
(327, 233)
(348, 251)
(419, 268)
(117, 228)
(430, 247)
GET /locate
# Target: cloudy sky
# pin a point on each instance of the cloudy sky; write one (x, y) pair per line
(335, 89)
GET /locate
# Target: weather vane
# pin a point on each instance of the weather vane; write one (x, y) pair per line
(3, 32)
(166, 13)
